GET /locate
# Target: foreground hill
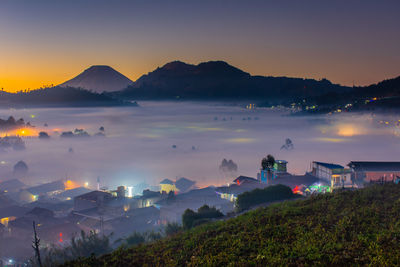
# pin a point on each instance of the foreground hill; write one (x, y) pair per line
(100, 79)
(339, 229)
(216, 80)
(56, 97)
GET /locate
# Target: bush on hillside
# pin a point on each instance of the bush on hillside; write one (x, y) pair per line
(203, 214)
(260, 196)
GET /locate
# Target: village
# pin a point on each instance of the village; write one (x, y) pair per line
(63, 208)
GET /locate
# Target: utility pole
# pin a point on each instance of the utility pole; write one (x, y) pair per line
(36, 244)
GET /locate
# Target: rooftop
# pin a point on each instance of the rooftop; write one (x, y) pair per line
(329, 165)
(73, 192)
(242, 178)
(295, 180)
(11, 185)
(375, 165)
(94, 195)
(45, 188)
(167, 181)
(184, 184)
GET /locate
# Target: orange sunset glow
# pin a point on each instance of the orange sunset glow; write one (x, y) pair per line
(22, 132)
(124, 37)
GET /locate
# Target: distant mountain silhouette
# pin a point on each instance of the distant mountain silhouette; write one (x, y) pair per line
(99, 79)
(215, 80)
(387, 93)
(385, 88)
(57, 96)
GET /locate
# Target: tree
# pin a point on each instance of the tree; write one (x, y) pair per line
(44, 135)
(268, 162)
(135, 239)
(261, 196)
(36, 245)
(203, 214)
(21, 168)
(82, 246)
(172, 228)
(188, 217)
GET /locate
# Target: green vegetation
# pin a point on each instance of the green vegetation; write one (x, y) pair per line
(85, 245)
(265, 195)
(172, 228)
(360, 227)
(204, 214)
(268, 163)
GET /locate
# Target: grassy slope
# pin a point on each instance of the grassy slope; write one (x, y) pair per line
(352, 227)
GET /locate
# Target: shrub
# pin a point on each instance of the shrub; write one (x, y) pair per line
(260, 196)
(203, 214)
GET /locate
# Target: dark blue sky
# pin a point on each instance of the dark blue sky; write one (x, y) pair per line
(43, 42)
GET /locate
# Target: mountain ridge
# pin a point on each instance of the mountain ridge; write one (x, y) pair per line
(219, 80)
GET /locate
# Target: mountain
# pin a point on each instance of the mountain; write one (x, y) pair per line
(343, 228)
(382, 96)
(215, 80)
(386, 88)
(99, 79)
(58, 96)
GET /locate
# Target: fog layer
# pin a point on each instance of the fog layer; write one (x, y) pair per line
(182, 139)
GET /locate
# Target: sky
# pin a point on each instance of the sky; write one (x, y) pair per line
(46, 42)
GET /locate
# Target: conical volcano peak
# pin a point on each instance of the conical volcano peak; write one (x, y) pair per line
(99, 78)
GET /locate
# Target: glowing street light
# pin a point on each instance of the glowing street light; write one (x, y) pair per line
(130, 189)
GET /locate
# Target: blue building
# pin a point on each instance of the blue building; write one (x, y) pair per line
(280, 168)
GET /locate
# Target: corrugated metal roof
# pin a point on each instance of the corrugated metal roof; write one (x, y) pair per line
(329, 165)
(375, 165)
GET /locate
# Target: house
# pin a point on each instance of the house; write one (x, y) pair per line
(302, 184)
(150, 198)
(280, 168)
(242, 184)
(184, 185)
(11, 213)
(91, 200)
(59, 207)
(5, 201)
(13, 185)
(48, 189)
(181, 185)
(335, 175)
(171, 211)
(136, 220)
(48, 226)
(239, 180)
(375, 171)
(167, 185)
(70, 194)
